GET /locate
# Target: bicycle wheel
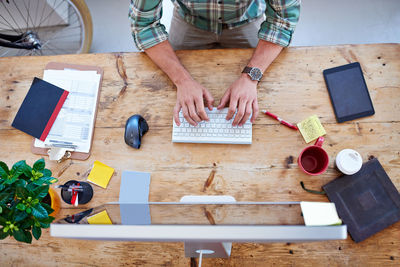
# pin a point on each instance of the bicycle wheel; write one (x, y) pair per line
(46, 27)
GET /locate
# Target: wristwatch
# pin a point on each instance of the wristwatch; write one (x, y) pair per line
(254, 73)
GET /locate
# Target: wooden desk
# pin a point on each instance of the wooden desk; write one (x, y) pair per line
(293, 87)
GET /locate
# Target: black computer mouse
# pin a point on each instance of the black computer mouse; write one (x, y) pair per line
(135, 127)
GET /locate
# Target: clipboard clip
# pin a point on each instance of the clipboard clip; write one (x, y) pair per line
(59, 153)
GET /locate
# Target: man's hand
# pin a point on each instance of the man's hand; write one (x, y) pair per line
(190, 96)
(241, 95)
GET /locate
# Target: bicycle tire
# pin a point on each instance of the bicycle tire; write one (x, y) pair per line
(87, 22)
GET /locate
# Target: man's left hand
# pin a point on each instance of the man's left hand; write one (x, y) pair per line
(241, 95)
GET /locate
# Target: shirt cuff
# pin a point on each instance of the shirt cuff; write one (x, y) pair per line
(150, 36)
(271, 33)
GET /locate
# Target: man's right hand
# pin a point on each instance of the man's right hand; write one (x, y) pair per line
(190, 95)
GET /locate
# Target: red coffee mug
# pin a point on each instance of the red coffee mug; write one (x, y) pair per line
(314, 160)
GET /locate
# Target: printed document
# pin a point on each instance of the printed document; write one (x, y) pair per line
(74, 124)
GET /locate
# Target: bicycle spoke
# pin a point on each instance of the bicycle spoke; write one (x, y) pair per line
(61, 18)
(35, 25)
(60, 49)
(29, 16)
(5, 53)
(41, 17)
(16, 24)
(51, 50)
(65, 36)
(26, 53)
(8, 24)
(37, 11)
(22, 16)
(54, 9)
(19, 53)
(52, 37)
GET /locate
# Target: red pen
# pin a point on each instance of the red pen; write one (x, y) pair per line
(294, 127)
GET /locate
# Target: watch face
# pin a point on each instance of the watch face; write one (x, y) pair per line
(255, 74)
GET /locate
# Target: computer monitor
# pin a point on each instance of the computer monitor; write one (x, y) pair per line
(200, 225)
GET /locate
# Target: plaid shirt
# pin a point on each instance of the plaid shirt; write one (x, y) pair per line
(212, 15)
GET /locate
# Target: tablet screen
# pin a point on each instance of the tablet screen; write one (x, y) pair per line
(348, 91)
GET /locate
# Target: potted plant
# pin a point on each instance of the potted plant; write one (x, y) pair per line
(23, 189)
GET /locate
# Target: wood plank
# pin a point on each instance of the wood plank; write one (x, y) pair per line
(267, 170)
(296, 77)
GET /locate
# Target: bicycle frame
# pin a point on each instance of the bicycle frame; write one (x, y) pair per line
(19, 41)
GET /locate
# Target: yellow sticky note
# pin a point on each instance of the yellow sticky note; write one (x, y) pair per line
(100, 174)
(311, 128)
(100, 218)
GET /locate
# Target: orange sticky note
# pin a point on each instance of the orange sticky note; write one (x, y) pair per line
(100, 174)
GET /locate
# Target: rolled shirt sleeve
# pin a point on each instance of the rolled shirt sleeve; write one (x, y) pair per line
(282, 17)
(147, 31)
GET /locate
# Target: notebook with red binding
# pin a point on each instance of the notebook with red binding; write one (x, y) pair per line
(39, 109)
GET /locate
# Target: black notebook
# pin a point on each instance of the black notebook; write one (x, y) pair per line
(39, 109)
(367, 201)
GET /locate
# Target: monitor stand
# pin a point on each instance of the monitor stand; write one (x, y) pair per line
(208, 249)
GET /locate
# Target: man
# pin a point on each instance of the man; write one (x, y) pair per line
(203, 24)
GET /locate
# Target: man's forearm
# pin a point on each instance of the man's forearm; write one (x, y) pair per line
(264, 54)
(164, 56)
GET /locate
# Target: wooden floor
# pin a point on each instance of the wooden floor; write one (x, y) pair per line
(292, 87)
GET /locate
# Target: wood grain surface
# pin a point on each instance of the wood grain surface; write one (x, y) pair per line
(293, 87)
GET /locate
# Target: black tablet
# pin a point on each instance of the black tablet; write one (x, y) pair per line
(348, 92)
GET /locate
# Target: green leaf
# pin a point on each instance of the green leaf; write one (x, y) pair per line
(47, 220)
(21, 206)
(18, 168)
(40, 192)
(29, 210)
(37, 232)
(39, 212)
(27, 223)
(3, 170)
(20, 215)
(2, 221)
(31, 187)
(44, 225)
(3, 234)
(46, 173)
(21, 192)
(1, 209)
(1, 187)
(12, 179)
(20, 182)
(20, 236)
(5, 197)
(47, 207)
(39, 165)
(27, 170)
(41, 181)
(28, 237)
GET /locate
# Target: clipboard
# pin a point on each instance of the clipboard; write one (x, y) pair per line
(62, 66)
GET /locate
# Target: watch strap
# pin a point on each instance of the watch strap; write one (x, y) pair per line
(247, 69)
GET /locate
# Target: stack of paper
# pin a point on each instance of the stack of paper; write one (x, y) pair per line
(74, 124)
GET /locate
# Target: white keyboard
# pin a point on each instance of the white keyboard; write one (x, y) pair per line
(217, 130)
